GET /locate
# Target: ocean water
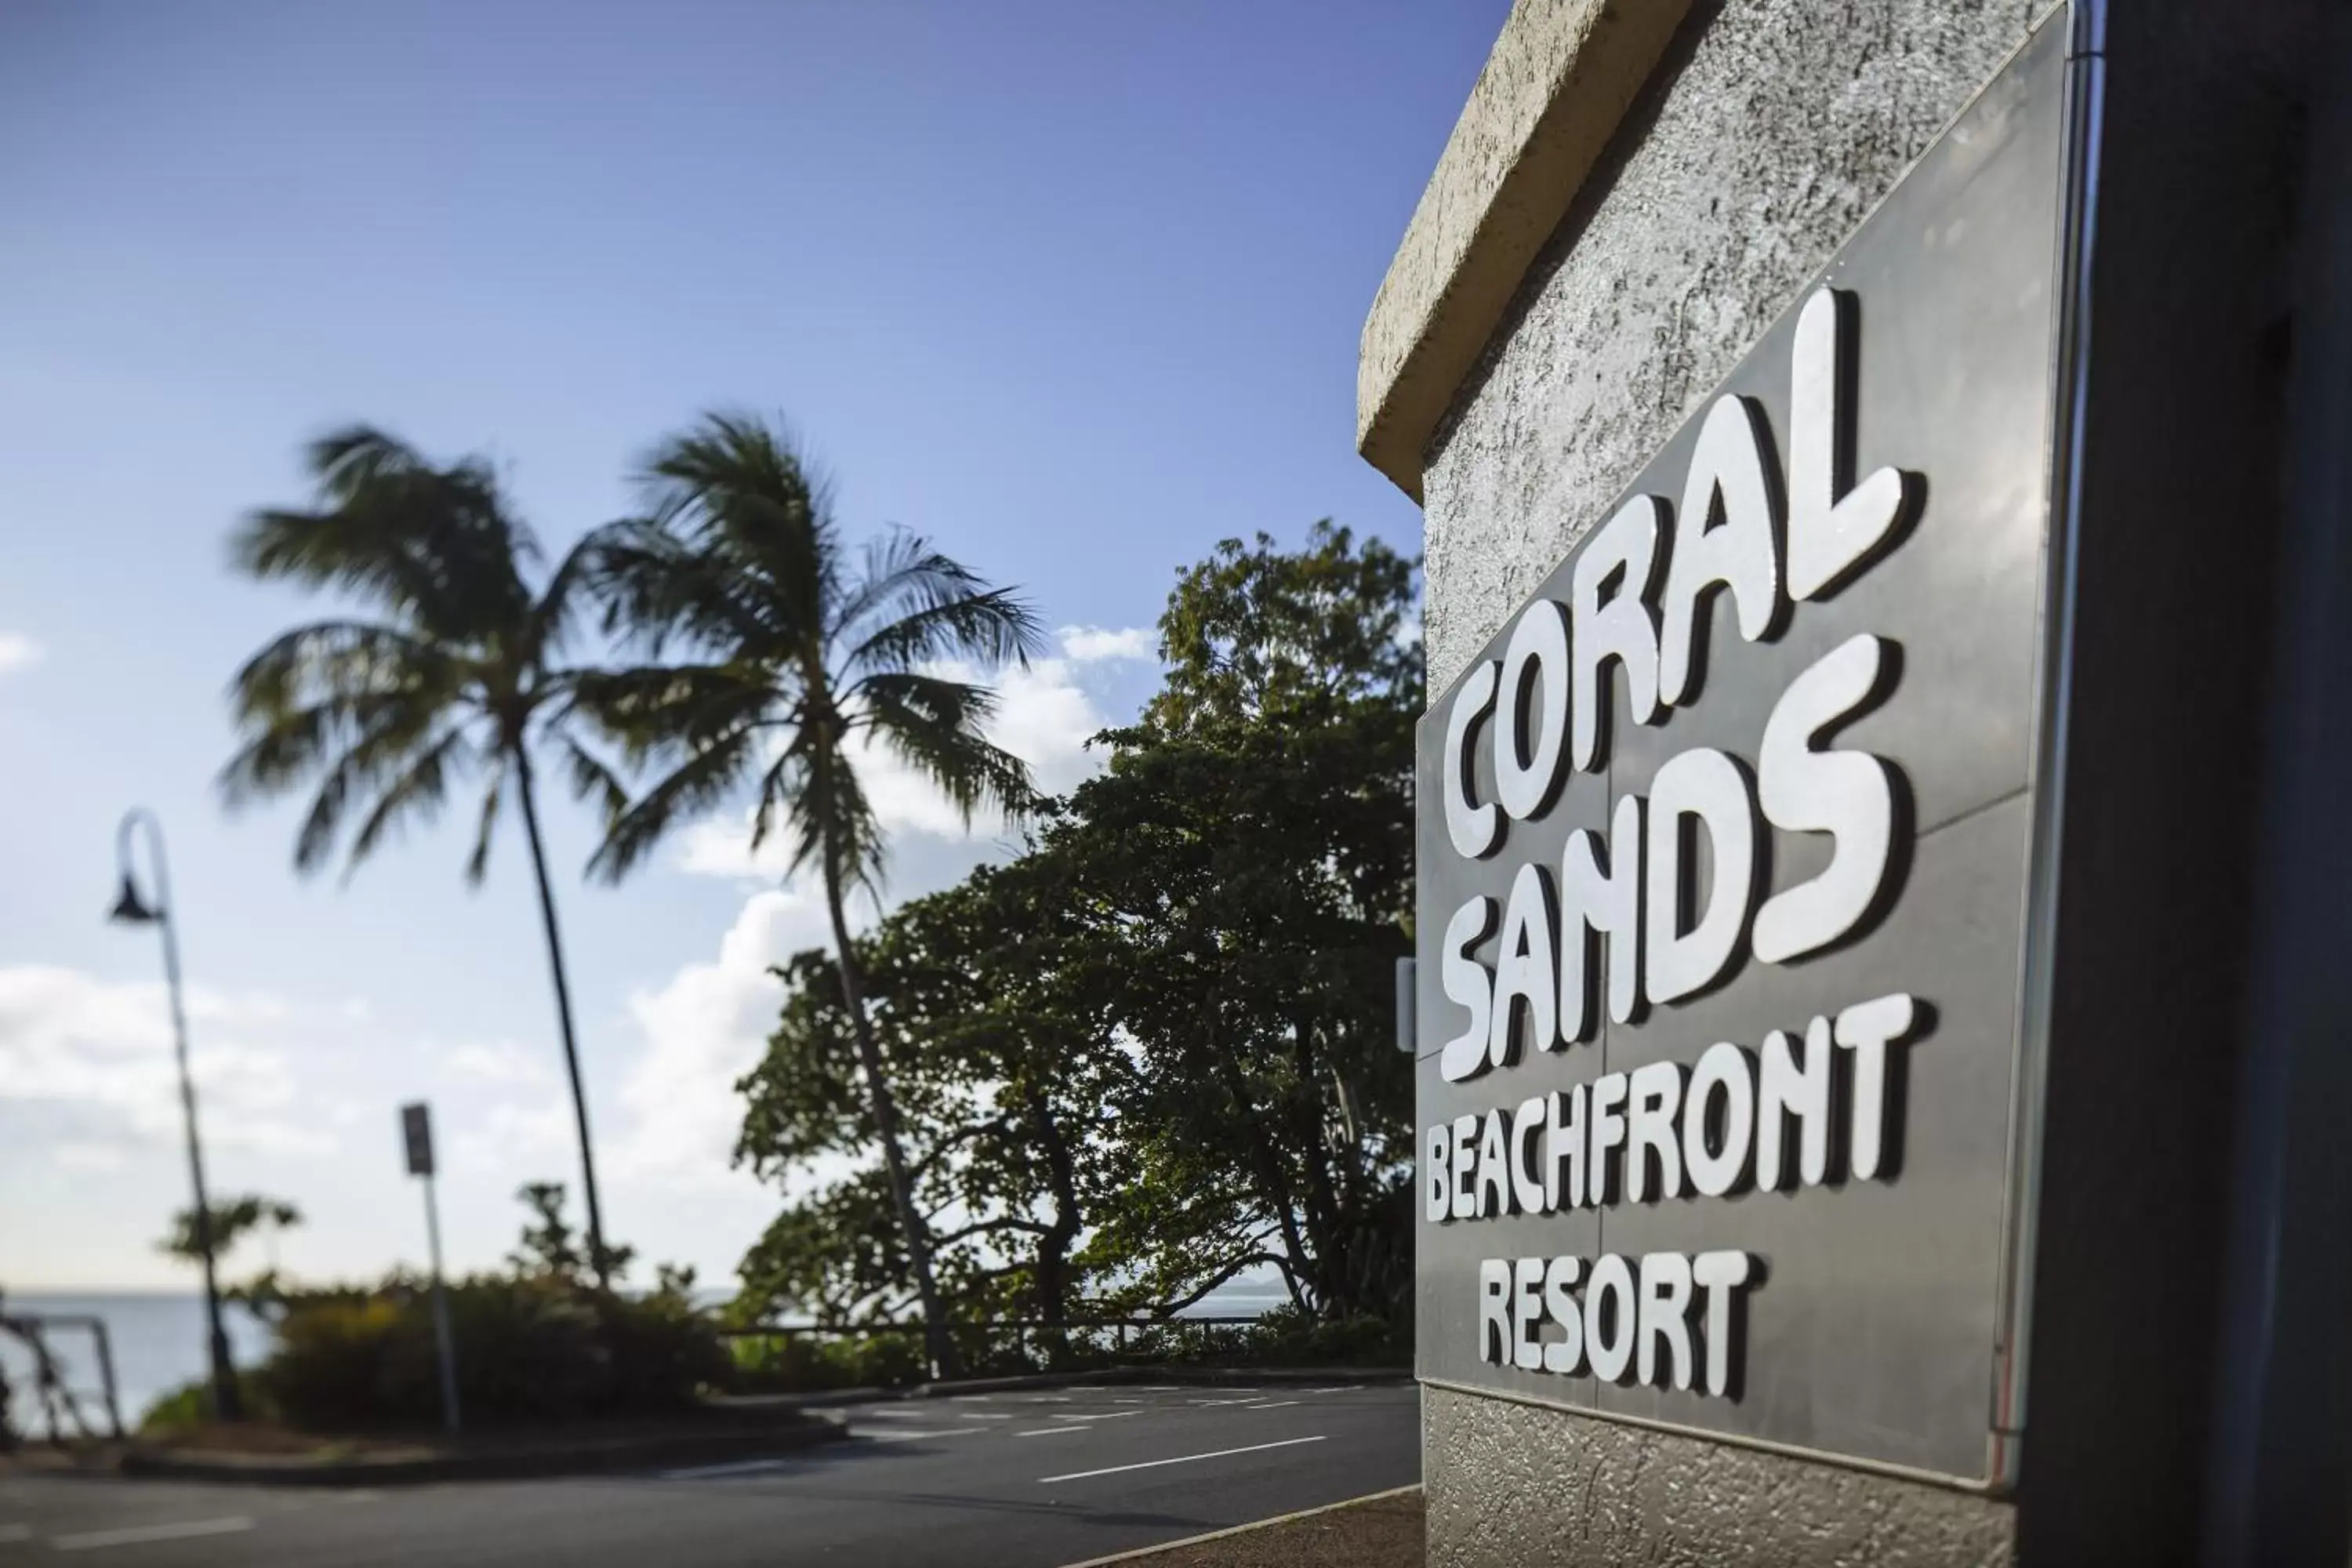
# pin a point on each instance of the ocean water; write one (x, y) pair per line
(157, 1338)
(158, 1341)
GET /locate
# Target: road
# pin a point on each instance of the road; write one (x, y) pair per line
(1027, 1480)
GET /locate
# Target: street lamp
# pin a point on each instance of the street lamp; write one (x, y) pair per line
(130, 909)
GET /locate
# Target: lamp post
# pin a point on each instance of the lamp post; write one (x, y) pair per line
(130, 909)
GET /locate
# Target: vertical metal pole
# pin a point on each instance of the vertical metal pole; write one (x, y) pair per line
(441, 1334)
(106, 1376)
(226, 1404)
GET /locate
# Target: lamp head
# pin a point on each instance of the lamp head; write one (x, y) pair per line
(131, 909)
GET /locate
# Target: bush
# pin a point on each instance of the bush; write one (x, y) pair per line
(805, 1364)
(534, 1349)
(190, 1406)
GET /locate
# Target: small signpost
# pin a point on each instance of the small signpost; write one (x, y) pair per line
(416, 1131)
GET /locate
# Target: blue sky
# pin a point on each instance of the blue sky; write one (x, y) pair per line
(1074, 288)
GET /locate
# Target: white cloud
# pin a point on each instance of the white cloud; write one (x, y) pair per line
(1089, 644)
(503, 1062)
(19, 651)
(99, 1053)
(704, 1029)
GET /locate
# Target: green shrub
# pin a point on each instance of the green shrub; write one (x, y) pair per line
(527, 1350)
(190, 1406)
(805, 1364)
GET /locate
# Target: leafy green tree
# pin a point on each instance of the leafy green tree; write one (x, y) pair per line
(1246, 867)
(1156, 1049)
(1005, 1094)
(452, 669)
(800, 654)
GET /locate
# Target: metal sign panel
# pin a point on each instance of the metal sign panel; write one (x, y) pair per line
(416, 1134)
(1720, 968)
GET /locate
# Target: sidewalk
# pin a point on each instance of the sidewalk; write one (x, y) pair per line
(1383, 1530)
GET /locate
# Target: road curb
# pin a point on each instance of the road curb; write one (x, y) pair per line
(1141, 1553)
(595, 1459)
(1208, 1377)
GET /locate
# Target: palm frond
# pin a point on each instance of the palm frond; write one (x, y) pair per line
(936, 726)
(477, 863)
(703, 780)
(418, 789)
(657, 709)
(432, 545)
(592, 780)
(990, 628)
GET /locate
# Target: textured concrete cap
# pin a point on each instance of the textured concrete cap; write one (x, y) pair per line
(1559, 78)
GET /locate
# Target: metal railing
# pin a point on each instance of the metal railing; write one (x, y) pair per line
(1022, 1341)
(60, 1403)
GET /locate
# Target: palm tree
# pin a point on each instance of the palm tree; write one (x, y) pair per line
(802, 656)
(454, 674)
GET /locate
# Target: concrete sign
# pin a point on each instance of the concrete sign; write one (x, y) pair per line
(1724, 850)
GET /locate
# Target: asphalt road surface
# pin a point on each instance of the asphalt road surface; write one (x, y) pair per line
(1028, 1479)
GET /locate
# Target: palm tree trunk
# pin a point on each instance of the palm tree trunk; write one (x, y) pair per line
(598, 1258)
(937, 1342)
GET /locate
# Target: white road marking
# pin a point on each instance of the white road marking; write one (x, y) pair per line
(1049, 1399)
(1158, 1387)
(1344, 1388)
(1271, 1404)
(712, 1472)
(1098, 1416)
(982, 1416)
(138, 1535)
(1051, 1432)
(1180, 1459)
(16, 1532)
(919, 1436)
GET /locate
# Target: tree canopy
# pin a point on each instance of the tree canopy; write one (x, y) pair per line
(1156, 1049)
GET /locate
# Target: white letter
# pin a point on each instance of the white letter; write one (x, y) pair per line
(1850, 795)
(1666, 1315)
(1525, 971)
(1468, 985)
(1831, 529)
(1476, 830)
(1866, 1029)
(1678, 960)
(1602, 898)
(1785, 1088)
(1722, 1068)
(1608, 1132)
(1465, 1167)
(1527, 770)
(1609, 1304)
(1437, 1165)
(1730, 479)
(1564, 1146)
(1720, 1273)
(1528, 1315)
(1566, 1354)
(1494, 1166)
(1494, 1311)
(1654, 1095)
(1526, 1182)
(1621, 561)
